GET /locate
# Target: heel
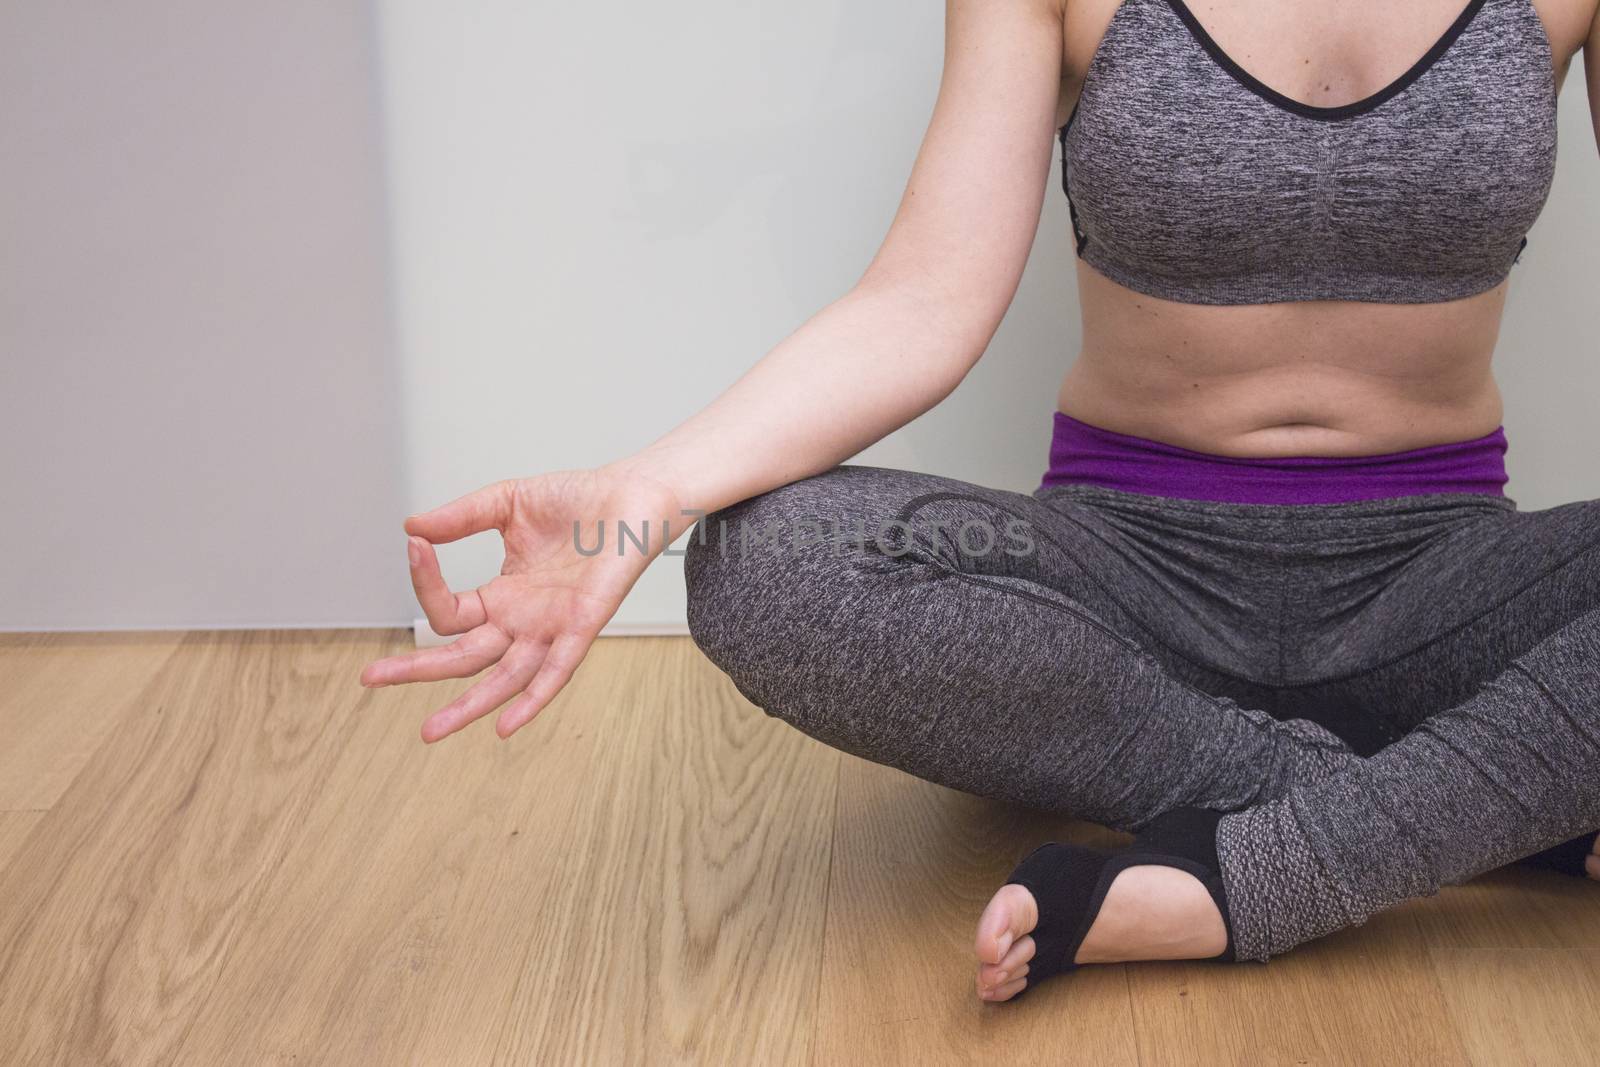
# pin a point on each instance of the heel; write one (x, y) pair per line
(1186, 838)
(1069, 884)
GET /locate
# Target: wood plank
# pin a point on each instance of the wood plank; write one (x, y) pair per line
(62, 696)
(641, 865)
(1517, 956)
(1362, 996)
(119, 910)
(14, 829)
(1515, 908)
(694, 885)
(1522, 1006)
(369, 940)
(913, 866)
(259, 862)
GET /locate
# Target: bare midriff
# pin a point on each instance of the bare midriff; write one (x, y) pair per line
(1302, 378)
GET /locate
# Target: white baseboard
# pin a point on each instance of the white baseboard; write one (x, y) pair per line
(645, 629)
(199, 627)
(426, 638)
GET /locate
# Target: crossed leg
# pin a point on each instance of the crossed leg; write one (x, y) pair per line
(1487, 648)
(1013, 676)
(873, 610)
(1459, 615)
(1493, 642)
(1500, 776)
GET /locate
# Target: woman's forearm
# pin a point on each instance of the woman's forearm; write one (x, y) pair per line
(925, 309)
(862, 367)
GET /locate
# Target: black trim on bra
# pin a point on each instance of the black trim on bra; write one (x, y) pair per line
(1313, 111)
(1072, 209)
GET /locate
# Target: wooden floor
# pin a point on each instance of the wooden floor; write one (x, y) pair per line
(219, 849)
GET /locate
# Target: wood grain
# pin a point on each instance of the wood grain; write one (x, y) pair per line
(14, 829)
(1523, 1006)
(249, 859)
(1362, 996)
(131, 892)
(60, 697)
(1515, 907)
(652, 849)
(913, 866)
(694, 886)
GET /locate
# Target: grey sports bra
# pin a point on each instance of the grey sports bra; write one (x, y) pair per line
(1188, 179)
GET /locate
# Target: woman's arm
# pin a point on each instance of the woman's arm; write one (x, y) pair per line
(894, 346)
(1591, 67)
(927, 306)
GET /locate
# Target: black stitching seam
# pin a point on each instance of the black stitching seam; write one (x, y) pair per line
(1078, 233)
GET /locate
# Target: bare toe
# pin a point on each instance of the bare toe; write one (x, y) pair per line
(1005, 992)
(1010, 915)
(991, 975)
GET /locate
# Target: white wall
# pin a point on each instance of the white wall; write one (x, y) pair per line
(197, 397)
(605, 212)
(1548, 358)
(600, 215)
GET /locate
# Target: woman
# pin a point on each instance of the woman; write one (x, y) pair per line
(1270, 608)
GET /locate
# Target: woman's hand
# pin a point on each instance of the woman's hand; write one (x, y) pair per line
(533, 624)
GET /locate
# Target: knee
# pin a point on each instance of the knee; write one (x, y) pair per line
(737, 574)
(765, 580)
(718, 588)
(736, 554)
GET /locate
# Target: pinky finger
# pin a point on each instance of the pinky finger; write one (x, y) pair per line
(563, 658)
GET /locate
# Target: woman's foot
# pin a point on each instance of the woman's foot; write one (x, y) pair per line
(1150, 912)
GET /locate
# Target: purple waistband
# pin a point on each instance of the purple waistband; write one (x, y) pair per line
(1087, 455)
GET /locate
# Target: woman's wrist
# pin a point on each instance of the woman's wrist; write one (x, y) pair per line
(668, 496)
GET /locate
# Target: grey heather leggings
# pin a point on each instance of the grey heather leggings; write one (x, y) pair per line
(1387, 696)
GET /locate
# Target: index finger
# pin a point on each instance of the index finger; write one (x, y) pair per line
(447, 612)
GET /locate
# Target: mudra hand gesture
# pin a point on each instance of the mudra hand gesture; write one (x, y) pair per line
(532, 625)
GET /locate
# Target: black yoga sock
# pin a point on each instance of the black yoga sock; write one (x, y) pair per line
(1568, 857)
(1069, 883)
